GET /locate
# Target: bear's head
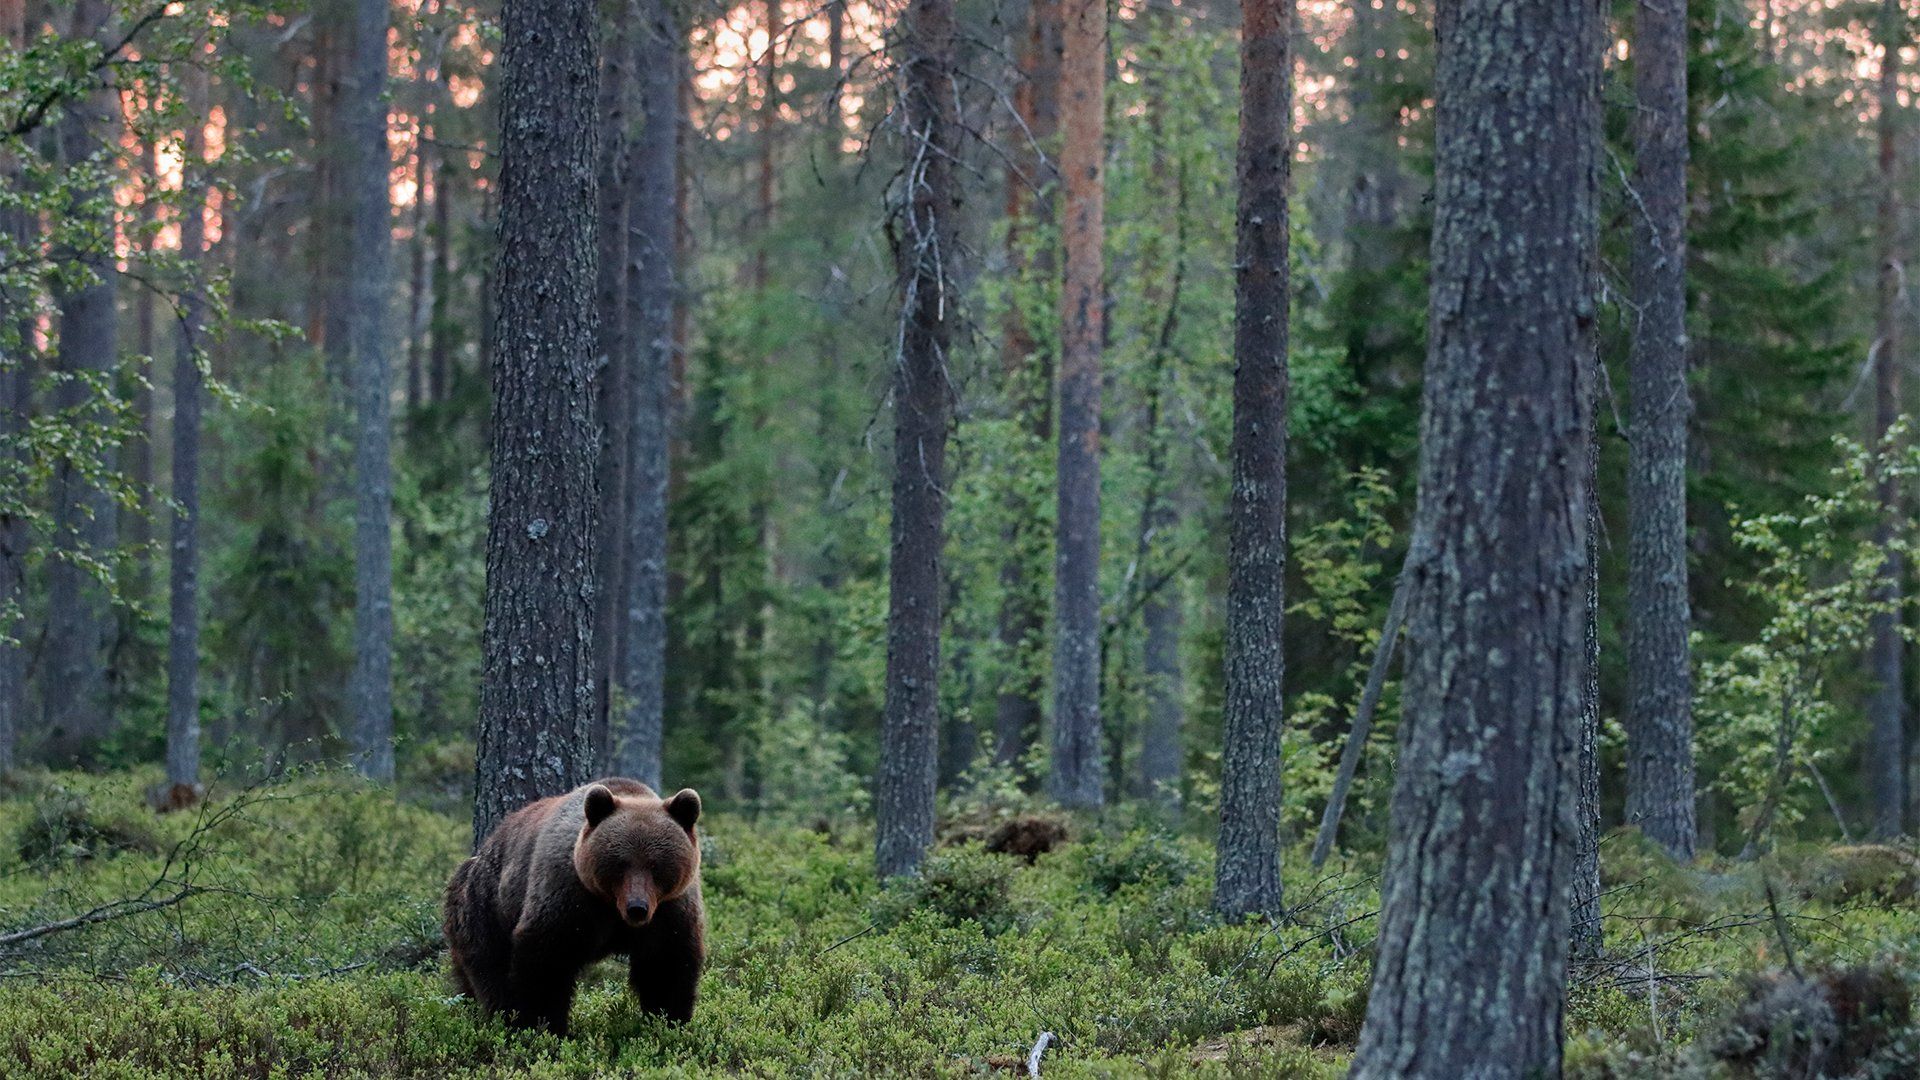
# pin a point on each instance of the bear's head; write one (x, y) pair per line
(637, 852)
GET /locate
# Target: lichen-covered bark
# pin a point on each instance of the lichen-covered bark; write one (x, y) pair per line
(1470, 971)
(1247, 876)
(537, 674)
(1887, 709)
(370, 687)
(183, 586)
(1026, 360)
(1076, 776)
(925, 248)
(653, 165)
(73, 676)
(1659, 675)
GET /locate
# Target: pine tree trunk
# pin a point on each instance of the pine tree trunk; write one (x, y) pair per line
(1379, 173)
(1160, 750)
(370, 687)
(1247, 877)
(419, 284)
(924, 240)
(1588, 937)
(440, 354)
(1659, 673)
(1470, 971)
(651, 251)
(335, 156)
(183, 589)
(74, 691)
(613, 360)
(537, 674)
(1026, 365)
(1076, 779)
(1888, 771)
(138, 452)
(16, 404)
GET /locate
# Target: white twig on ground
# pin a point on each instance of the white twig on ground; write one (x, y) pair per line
(1039, 1047)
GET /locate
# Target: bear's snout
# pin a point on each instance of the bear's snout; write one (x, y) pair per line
(638, 911)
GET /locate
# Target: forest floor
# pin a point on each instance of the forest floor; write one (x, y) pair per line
(291, 930)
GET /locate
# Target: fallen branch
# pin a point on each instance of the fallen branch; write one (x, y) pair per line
(119, 909)
(1363, 716)
(871, 927)
(1326, 933)
(176, 873)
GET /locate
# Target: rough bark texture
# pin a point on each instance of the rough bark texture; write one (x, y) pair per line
(613, 365)
(370, 687)
(77, 710)
(1887, 709)
(537, 675)
(1026, 364)
(1076, 779)
(183, 586)
(1470, 971)
(1659, 673)
(924, 231)
(1587, 934)
(652, 248)
(1247, 875)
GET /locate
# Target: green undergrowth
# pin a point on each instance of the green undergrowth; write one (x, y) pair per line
(293, 932)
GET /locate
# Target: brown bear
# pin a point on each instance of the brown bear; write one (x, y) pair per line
(607, 868)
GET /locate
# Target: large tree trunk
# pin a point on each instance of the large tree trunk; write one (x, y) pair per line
(1470, 972)
(1887, 779)
(925, 249)
(16, 403)
(74, 670)
(183, 587)
(537, 674)
(1247, 877)
(653, 179)
(1659, 675)
(370, 687)
(613, 360)
(1076, 779)
(1027, 368)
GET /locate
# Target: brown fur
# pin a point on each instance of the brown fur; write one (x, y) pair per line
(551, 892)
(1027, 837)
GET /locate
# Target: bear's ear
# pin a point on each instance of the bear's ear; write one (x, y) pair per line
(684, 807)
(600, 804)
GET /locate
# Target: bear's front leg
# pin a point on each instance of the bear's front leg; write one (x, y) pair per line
(540, 985)
(664, 969)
